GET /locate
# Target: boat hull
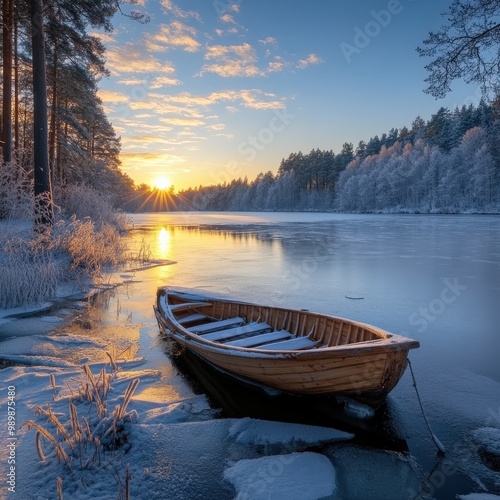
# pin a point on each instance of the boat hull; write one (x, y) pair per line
(374, 374)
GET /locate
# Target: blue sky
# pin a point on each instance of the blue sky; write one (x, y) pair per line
(210, 90)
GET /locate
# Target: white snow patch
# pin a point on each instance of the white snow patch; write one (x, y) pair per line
(300, 476)
(264, 432)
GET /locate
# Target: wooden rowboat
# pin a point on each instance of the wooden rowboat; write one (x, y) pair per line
(291, 350)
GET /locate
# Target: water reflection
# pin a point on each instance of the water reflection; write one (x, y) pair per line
(238, 399)
(164, 243)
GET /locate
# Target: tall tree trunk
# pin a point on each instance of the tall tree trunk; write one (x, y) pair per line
(44, 215)
(53, 116)
(16, 88)
(7, 11)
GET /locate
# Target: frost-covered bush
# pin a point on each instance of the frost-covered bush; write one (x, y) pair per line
(91, 247)
(85, 202)
(29, 272)
(16, 188)
(33, 264)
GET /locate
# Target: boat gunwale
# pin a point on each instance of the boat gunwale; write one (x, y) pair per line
(392, 342)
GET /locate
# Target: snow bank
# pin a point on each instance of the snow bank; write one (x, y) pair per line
(296, 476)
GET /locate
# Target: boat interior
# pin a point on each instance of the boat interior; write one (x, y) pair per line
(243, 325)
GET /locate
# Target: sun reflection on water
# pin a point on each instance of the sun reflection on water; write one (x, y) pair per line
(164, 242)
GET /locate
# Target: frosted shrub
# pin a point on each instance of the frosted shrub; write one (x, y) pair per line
(84, 202)
(29, 273)
(91, 249)
(16, 187)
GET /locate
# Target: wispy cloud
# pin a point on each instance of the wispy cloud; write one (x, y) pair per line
(308, 61)
(174, 35)
(175, 10)
(227, 18)
(132, 81)
(112, 97)
(145, 127)
(146, 141)
(163, 81)
(269, 41)
(258, 99)
(249, 98)
(160, 105)
(132, 59)
(217, 126)
(231, 61)
(279, 64)
(182, 122)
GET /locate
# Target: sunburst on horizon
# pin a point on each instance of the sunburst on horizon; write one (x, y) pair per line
(162, 183)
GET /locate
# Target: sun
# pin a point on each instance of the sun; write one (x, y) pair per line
(162, 183)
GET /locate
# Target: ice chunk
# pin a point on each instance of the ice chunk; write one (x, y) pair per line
(478, 496)
(300, 476)
(356, 409)
(489, 439)
(286, 435)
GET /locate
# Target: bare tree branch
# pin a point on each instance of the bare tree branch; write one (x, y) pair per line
(466, 48)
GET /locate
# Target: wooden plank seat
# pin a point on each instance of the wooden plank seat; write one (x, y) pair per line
(231, 333)
(256, 340)
(191, 318)
(217, 325)
(188, 305)
(297, 343)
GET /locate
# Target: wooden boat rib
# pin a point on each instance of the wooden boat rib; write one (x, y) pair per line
(291, 350)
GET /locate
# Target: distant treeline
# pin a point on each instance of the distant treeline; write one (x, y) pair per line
(451, 163)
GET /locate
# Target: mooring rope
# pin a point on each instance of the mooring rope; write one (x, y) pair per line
(438, 443)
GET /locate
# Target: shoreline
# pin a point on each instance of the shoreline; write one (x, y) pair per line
(62, 310)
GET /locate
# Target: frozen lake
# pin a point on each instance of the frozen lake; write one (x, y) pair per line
(433, 278)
